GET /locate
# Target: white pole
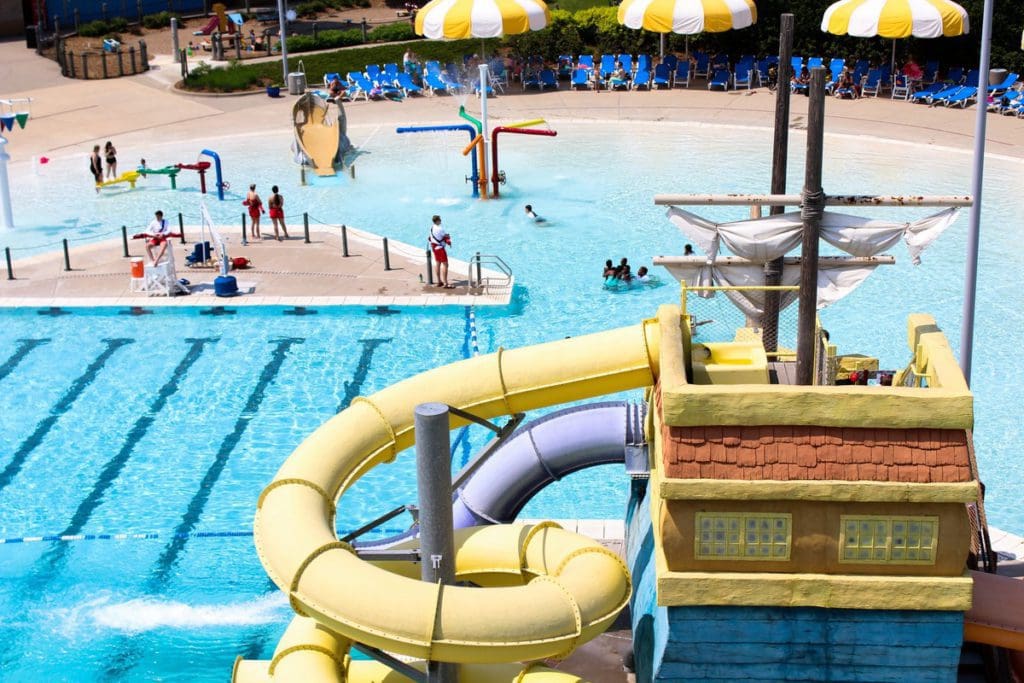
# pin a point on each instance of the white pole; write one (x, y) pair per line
(284, 35)
(974, 227)
(483, 117)
(6, 216)
(661, 44)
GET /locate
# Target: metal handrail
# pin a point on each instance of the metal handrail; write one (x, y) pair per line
(493, 261)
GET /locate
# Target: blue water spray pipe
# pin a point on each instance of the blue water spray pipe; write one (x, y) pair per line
(475, 178)
(216, 168)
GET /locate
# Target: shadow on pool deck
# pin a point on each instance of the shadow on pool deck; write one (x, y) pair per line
(282, 273)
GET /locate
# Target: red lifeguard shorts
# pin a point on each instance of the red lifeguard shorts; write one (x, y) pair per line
(440, 254)
(277, 213)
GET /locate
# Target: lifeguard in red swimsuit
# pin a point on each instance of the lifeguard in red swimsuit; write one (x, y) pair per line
(255, 204)
(276, 206)
(439, 240)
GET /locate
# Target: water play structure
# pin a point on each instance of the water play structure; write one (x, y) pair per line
(169, 171)
(201, 167)
(321, 138)
(129, 177)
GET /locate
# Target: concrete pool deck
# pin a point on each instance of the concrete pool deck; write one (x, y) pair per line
(69, 116)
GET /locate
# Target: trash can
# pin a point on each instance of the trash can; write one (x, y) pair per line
(296, 83)
(995, 76)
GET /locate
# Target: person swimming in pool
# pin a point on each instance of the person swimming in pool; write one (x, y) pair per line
(532, 215)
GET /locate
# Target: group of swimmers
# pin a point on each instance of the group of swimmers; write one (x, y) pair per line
(615, 276)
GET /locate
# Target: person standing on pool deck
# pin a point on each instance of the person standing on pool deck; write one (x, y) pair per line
(255, 204)
(439, 240)
(96, 166)
(276, 206)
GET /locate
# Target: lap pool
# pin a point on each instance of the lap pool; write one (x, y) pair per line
(169, 424)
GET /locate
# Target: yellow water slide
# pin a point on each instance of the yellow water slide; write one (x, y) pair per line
(542, 591)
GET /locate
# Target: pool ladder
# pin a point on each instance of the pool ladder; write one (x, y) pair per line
(497, 277)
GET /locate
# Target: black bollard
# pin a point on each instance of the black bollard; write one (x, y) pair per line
(344, 240)
(124, 240)
(67, 257)
(305, 226)
(479, 273)
(245, 242)
(430, 269)
(387, 258)
(10, 270)
(181, 227)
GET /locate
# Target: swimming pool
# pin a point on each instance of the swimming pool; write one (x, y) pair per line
(229, 396)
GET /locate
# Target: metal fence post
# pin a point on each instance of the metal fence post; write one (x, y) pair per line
(344, 240)
(85, 65)
(103, 63)
(67, 257)
(181, 227)
(10, 270)
(124, 240)
(131, 56)
(120, 62)
(144, 55)
(245, 242)
(430, 269)
(305, 226)
(479, 271)
(364, 29)
(387, 257)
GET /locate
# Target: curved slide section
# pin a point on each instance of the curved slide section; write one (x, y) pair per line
(544, 451)
(552, 589)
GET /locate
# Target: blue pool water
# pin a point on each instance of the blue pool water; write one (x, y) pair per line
(171, 423)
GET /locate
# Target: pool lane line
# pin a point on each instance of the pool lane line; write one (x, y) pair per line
(25, 347)
(152, 535)
(470, 349)
(195, 508)
(353, 388)
(62, 406)
(52, 561)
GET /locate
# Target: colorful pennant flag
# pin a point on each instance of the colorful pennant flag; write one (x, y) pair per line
(6, 121)
(22, 117)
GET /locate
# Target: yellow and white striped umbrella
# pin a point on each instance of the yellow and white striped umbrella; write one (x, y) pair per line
(687, 17)
(896, 18)
(456, 19)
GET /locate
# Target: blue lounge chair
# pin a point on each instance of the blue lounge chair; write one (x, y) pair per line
(581, 78)
(434, 83)
(924, 95)
(900, 88)
(358, 85)
(328, 77)
(585, 62)
(720, 79)
(373, 72)
(642, 79)
(962, 98)
(531, 79)
(1000, 88)
(931, 72)
(703, 65)
(835, 71)
(762, 72)
(971, 78)
(662, 76)
(643, 63)
(743, 75)
(872, 83)
(682, 74)
(955, 75)
(671, 61)
(796, 63)
(391, 70)
(548, 79)
(405, 82)
(814, 62)
(565, 66)
(943, 96)
(607, 66)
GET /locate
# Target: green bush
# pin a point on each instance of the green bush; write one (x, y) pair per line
(95, 29)
(389, 33)
(159, 20)
(325, 40)
(311, 8)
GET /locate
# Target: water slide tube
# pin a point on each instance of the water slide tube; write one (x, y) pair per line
(216, 168)
(542, 452)
(475, 178)
(996, 616)
(496, 175)
(546, 590)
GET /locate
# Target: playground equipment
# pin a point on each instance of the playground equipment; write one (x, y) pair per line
(169, 171)
(201, 167)
(498, 177)
(130, 177)
(10, 112)
(475, 175)
(321, 138)
(221, 21)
